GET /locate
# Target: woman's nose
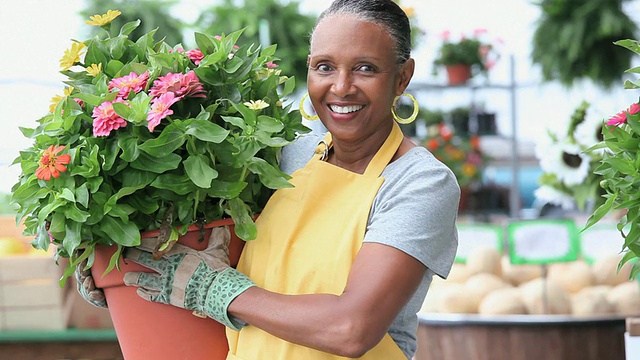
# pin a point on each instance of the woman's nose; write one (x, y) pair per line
(343, 84)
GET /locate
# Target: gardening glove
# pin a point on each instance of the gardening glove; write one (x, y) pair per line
(87, 288)
(201, 281)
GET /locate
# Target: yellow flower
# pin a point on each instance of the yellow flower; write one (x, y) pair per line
(94, 69)
(256, 105)
(469, 170)
(72, 55)
(410, 11)
(56, 99)
(104, 19)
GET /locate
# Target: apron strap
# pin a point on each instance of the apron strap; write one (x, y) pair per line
(384, 155)
(379, 161)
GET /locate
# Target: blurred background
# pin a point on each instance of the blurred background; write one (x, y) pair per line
(543, 74)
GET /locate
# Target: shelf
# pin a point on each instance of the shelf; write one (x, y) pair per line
(68, 335)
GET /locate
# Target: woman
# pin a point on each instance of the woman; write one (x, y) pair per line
(344, 259)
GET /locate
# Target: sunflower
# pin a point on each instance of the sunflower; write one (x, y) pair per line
(567, 161)
(551, 195)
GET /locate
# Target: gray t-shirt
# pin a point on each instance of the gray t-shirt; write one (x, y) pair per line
(414, 211)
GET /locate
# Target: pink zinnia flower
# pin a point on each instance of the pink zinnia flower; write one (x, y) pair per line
(180, 84)
(621, 117)
(129, 82)
(160, 109)
(195, 55)
(105, 118)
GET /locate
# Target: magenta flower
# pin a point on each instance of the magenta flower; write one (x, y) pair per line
(621, 117)
(195, 55)
(181, 85)
(128, 83)
(160, 109)
(105, 118)
(271, 65)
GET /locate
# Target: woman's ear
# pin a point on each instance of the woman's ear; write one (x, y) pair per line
(406, 73)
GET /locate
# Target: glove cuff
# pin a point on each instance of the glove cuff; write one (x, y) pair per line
(226, 286)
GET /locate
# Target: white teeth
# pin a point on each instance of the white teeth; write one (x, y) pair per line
(345, 109)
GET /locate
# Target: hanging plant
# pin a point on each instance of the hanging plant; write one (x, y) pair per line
(574, 40)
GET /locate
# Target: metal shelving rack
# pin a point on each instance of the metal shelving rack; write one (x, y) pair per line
(512, 86)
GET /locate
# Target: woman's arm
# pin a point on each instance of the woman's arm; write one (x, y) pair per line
(381, 282)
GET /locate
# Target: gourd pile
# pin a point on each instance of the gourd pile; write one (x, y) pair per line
(489, 284)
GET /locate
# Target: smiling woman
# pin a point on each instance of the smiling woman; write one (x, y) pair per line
(343, 260)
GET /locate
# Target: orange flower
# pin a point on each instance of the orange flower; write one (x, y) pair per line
(52, 164)
(433, 144)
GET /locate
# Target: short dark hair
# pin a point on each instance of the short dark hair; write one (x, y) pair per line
(384, 13)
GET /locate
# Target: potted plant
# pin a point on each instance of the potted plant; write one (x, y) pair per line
(619, 170)
(150, 136)
(466, 56)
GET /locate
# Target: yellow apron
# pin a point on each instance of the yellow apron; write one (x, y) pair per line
(308, 238)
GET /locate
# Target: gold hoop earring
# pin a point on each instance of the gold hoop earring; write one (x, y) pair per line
(303, 112)
(410, 119)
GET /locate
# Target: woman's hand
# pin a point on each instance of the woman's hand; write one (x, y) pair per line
(201, 281)
(87, 287)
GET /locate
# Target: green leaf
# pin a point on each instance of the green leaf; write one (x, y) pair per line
(155, 164)
(205, 43)
(129, 27)
(248, 114)
(237, 121)
(206, 131)
(125, 234)
(226, 190)
(169, 140)
(199, 171)
(601, 211)
(72, 237)
(179, 184)
(289, 86)
(269, 124)
(245, 228)
(268, 174)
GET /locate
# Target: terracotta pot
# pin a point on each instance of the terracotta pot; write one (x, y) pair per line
(148, 330)
(458, 74)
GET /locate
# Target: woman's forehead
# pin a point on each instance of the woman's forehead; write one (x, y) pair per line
(344, 32)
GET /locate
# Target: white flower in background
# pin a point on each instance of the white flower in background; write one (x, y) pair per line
(567, 161)
(554, 196)
(589, 132)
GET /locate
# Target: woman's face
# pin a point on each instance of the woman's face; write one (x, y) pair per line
(353, 77)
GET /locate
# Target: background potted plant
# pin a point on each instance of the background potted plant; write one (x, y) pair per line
(150, 136)
(466, 56)
(460, 153)
(568, 180)
(574, 40)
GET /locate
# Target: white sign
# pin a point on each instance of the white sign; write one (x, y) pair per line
(542, 241)
(601, 240)
(473, 237)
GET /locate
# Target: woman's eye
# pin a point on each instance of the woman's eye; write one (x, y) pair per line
(323, 67)
(366, 68)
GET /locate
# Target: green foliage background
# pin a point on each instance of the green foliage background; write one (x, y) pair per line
(574, 40)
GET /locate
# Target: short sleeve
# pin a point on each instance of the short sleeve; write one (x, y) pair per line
(415, 210)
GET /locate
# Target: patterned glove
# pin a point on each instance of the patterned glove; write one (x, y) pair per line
(87, 288)
(201, 281)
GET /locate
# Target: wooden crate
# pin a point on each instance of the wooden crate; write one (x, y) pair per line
(8, 228)
(30, 295)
